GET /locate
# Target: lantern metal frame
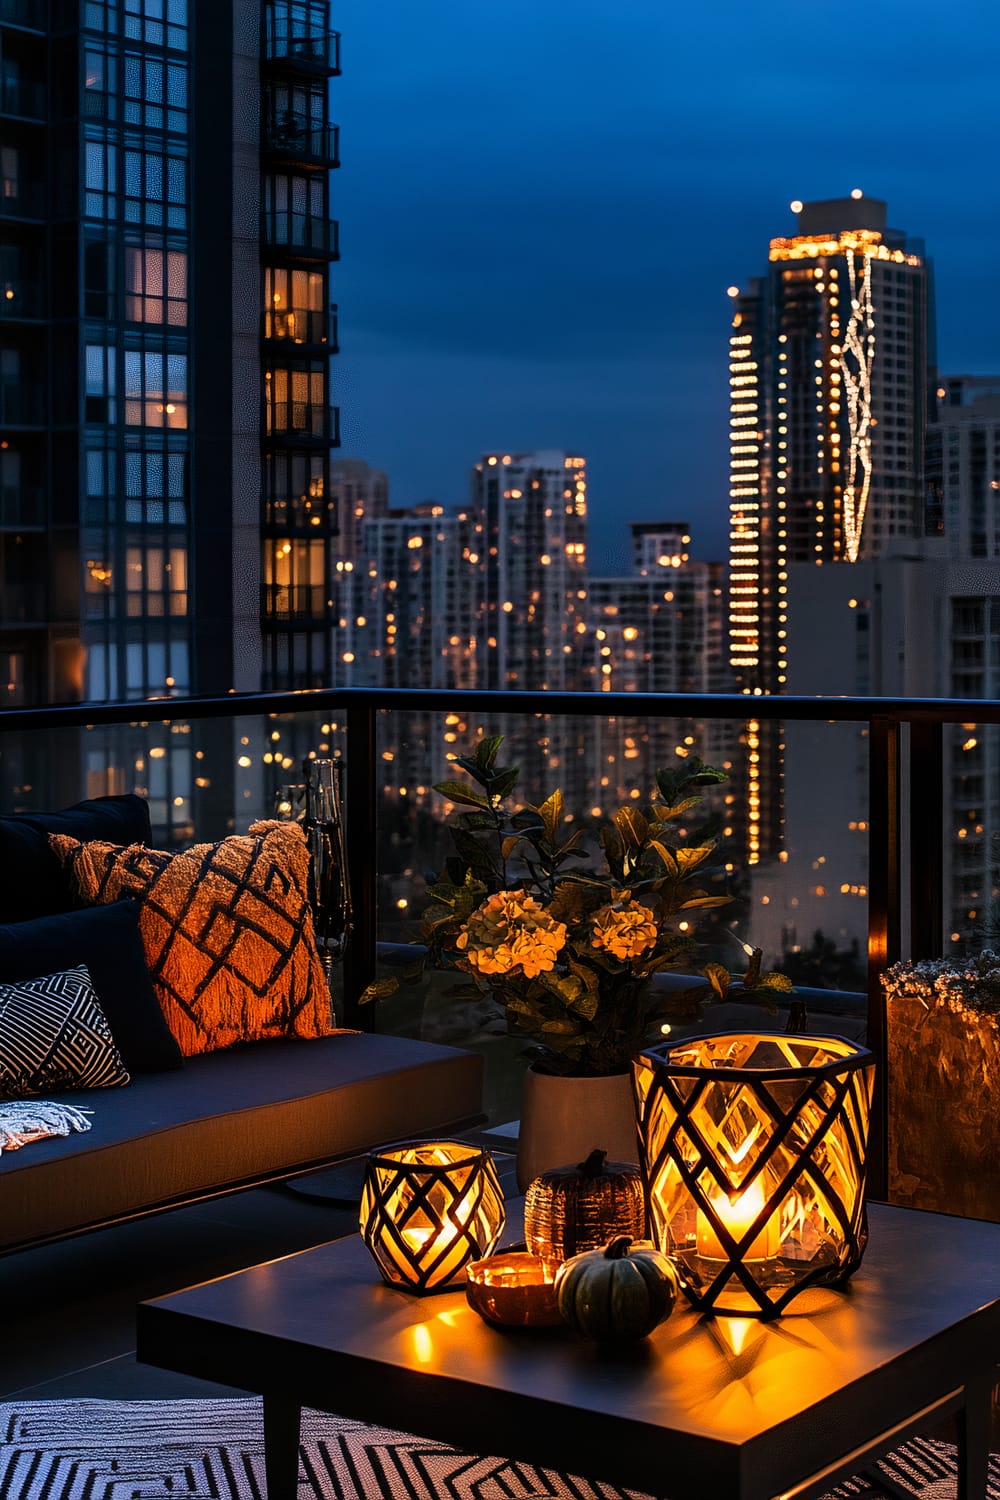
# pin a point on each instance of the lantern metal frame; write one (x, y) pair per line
(753, 1149)
(428, 1208)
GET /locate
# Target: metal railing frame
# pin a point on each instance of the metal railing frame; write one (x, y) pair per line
(896, 759)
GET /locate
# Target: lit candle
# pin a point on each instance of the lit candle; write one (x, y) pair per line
(417, 1237)
(738, 1215)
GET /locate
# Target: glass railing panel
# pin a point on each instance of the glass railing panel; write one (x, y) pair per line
(778, 901)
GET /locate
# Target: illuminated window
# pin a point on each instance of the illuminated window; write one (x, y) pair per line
(155, 286)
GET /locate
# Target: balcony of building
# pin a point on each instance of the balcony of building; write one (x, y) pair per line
(394, 745)
(22, 507)
(22, 99)
(294, 140)
(302, 605)
(22, 190)
(22, 296)
(301, 423)
(298, 38)
(303, 236)
(27, 14)
(22, 402)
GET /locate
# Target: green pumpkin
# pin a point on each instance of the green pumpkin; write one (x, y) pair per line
(621, 1292)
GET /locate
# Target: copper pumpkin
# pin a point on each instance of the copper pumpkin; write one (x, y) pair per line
(571, 1209)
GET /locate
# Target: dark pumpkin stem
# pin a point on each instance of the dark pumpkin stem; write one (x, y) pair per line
(618, 1249)
(594, 1165)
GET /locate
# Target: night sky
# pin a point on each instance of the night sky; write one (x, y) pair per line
(542, 203)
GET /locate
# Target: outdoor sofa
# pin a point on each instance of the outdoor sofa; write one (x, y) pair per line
(223, 1120)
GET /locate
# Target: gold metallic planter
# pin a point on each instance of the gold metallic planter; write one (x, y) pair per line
(753, 1151)
(427, 1209)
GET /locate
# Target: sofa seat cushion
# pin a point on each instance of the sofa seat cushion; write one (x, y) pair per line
(231, 1117)
(227, 930)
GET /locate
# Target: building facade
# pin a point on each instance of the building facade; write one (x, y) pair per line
(532, 569)
(828, 360)
(165, 339)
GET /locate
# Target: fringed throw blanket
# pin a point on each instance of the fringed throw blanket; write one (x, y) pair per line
(33, 1119)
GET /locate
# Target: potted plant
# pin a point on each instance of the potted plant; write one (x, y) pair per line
(569, 951)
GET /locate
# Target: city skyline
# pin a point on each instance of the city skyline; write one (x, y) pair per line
(554, 272)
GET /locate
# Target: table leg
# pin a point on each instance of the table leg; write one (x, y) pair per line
(974, 1423)
(282, 1421)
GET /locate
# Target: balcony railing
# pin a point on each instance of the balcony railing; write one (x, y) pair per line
(296, 420)
(23, 13)
(904, 739)
(292, 39)
(297, 325)
(23, 198)
(309, 236)
(23, 97)
(21, 404)
(300, 144)
(21, 505)
(305, 603)
(21, 298)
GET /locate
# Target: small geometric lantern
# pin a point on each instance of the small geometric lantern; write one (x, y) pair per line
(427, 1209)
(753, 1152)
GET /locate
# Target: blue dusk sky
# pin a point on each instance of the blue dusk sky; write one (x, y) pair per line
(542, 204)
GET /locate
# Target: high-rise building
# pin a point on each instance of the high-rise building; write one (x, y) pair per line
(359, 494)
(828, 359)
(165, 338)
(533, 569)
(829, 393)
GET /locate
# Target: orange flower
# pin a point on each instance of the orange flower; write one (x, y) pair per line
(510, 933)
(626, 930)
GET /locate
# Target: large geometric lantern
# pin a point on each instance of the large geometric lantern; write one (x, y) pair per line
(427, 1209)
(753, 1152)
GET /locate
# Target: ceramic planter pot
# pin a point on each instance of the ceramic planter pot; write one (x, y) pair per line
(564, 1119)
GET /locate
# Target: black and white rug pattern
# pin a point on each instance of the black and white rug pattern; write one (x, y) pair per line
(214, 1450)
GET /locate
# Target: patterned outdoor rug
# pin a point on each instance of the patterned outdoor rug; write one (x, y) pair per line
(213, 1450)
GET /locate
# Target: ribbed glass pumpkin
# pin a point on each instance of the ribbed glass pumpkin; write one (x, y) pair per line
(571, 1209)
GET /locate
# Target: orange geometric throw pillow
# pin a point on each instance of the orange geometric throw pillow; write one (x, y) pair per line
(227, 931)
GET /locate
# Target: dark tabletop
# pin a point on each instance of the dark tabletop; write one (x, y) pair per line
(921, 1315)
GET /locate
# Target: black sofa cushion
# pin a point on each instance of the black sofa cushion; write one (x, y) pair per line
(107, 940)
(32, 881)
(53, 1037)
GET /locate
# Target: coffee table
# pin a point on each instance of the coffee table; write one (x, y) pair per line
(725, 1408)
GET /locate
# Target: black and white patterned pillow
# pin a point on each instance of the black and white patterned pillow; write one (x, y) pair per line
(54, 1035)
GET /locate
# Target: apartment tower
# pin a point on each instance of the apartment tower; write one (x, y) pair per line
(828, 371)
(165, 338)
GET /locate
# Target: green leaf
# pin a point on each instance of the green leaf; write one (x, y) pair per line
(457, 791)
(719, 978)
(551, 814)
(504, 782)
(379, 989)
(632, 826)
(486, 751)
(667, 856)
(665, 814)
(690, 859)
(481, 821)
(705, 902)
